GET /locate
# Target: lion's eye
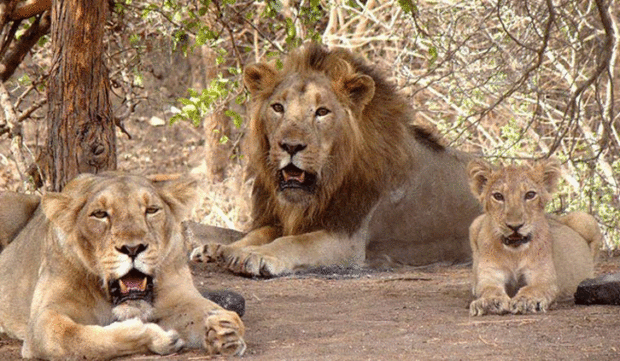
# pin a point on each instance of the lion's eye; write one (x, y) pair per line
(99, 214)
(152, 210)
(530, 195)
(321, 112)
(277, 107)
(498, 196)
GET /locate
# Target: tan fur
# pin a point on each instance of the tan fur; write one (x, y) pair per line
(378, 189)
(15, 211)
(525, 277)
(54, 289)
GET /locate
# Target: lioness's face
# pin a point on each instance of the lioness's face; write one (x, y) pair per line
(514, 196)
(307, 132)
(120, 228)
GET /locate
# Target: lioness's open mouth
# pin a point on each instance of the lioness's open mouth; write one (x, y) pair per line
(515, 239)
(293, 177)
(135, 285)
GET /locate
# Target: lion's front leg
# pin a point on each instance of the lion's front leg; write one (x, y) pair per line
(204, 325)
(56, 336)
(201, 323)
(286, 254)
(534, 298)
(540, 290)
(491, 292)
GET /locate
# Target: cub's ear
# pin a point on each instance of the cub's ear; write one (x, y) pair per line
(257, 77)
(360, 88)
(479, 172)
(549, 172)
(179, 193)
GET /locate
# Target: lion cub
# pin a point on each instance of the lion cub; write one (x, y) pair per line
(523, 259)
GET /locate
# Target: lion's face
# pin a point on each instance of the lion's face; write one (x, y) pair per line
(514, 196)
(120, 228)
(305, 123)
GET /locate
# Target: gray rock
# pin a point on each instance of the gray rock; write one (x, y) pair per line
(602, 290)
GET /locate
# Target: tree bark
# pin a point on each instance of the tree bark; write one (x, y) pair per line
(81, 134)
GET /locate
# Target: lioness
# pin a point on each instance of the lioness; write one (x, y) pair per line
(523, 258)
(341, 175)
(100, 271)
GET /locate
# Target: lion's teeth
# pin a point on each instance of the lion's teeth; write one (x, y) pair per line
(123, 286)
(143, 285)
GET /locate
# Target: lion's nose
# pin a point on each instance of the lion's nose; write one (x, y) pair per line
(514, 228)
(292, 148)
(132, 251)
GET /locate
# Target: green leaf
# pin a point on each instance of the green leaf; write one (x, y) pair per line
(237, 120)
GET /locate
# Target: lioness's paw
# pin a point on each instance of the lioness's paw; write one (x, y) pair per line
(489, 306)
(163, 342)
(224, 333)
(135, 334)
(522, 305)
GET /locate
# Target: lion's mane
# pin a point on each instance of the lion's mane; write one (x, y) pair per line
(374, 154)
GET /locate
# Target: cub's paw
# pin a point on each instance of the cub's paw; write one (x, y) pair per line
(489, 306)
(522, 304)
(224, 333)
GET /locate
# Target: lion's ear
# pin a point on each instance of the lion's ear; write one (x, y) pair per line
(258, 76)
(57, 208)
(61, 208)
(479, 172)
(180, 194)
(361, 89)
(550, 172)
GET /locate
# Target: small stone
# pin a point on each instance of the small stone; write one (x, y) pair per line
(602, 290)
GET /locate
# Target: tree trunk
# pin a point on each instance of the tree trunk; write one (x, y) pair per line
(81, 134)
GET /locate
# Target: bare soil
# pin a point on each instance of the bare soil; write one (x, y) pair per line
(403, 314)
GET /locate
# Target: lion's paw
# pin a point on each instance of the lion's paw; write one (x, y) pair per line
(205, 253)
(135, 334)
(522, 304)
(489, 306)
(224, 333)
(163, 342)
(247, 261)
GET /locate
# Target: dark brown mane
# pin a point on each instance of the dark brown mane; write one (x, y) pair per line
(384, 149)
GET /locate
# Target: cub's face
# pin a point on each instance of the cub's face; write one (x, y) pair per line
(514, 196)
(120, 228)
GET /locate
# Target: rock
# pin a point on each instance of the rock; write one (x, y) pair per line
(602, 290)
(229, 300)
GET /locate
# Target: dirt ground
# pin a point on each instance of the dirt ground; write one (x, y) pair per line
(403, 314)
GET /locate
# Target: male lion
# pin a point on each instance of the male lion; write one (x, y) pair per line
(341, 175)
(524, 258)
(100, 271)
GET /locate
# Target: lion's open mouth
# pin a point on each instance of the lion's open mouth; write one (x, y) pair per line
(135, 285)
(293, 177)
(515, 239)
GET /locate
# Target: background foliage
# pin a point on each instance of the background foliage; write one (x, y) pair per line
(509, 79)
